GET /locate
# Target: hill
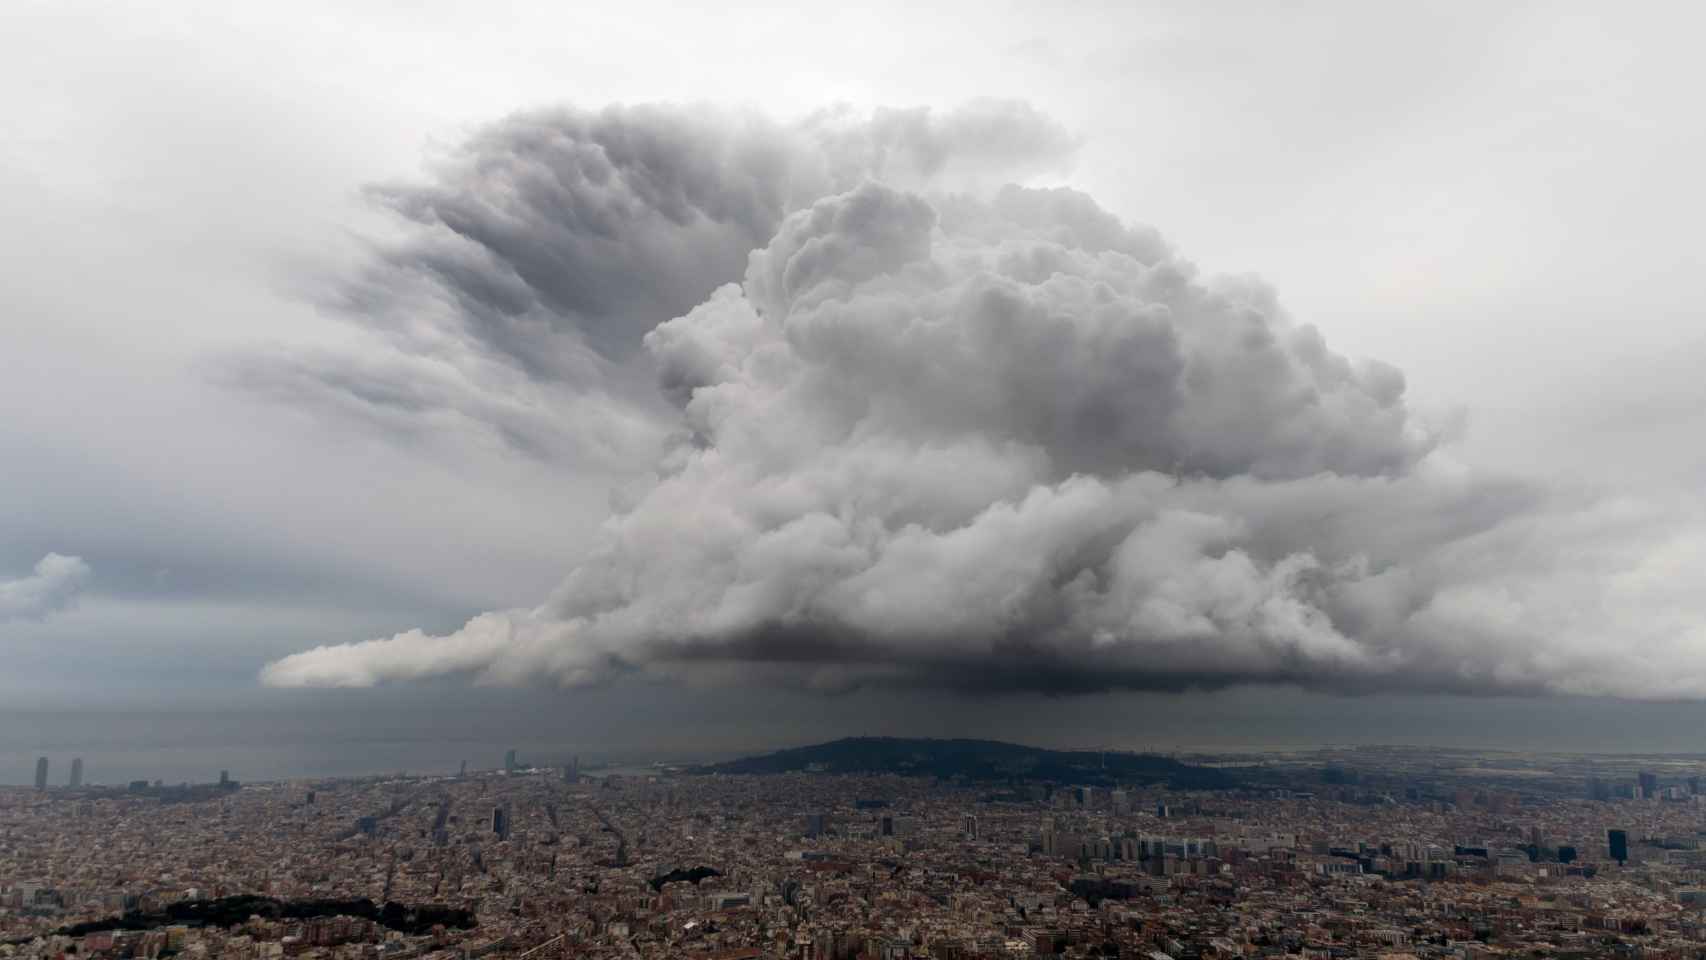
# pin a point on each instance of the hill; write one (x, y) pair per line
(979, 760)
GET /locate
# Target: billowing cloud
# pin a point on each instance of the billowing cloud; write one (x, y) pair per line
(563, 231)
(530, 266)
(1011, 442)
(53, 586)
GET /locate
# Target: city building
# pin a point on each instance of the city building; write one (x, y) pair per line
(1617, 845)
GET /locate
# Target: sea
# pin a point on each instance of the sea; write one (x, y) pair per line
(286, 735)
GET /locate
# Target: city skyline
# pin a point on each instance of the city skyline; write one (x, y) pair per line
(1400, 853)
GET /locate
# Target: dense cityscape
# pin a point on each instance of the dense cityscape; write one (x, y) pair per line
(1378, 853)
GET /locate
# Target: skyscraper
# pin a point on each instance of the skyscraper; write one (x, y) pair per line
(76, 773)
(1649, 785)
(1617, 844)
(509, 761)
(500, 822)
(41, 773)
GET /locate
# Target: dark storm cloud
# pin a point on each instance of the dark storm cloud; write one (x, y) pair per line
(544, 248)
(1011, 442)
(556, 230)
(565, 230)
(52, 586)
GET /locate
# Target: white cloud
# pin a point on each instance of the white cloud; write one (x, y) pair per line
(1012, 443)
(52, 587)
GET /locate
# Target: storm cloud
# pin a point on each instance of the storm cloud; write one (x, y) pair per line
(528, 268)
(51, 587)
(940, 434)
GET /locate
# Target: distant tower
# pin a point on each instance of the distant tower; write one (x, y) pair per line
(464, 771)
(41, 773)
(224, 778)
(509, 761)
(1617, 844)
(76, 773)
(500, 822)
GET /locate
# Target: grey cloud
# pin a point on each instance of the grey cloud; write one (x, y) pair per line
(978, 145)
(539, 254)
(419, 400)
(1015, 444)
(1105, 362)
(52, 586)
(562, 230)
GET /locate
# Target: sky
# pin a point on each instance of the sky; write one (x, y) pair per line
(383, 346)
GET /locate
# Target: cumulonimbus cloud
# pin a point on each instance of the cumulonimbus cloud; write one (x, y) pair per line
(1001, 439)
(52, 586)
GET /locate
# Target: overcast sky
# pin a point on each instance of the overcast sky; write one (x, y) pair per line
(265, 389)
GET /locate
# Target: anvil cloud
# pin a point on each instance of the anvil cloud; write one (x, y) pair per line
(910, 427)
